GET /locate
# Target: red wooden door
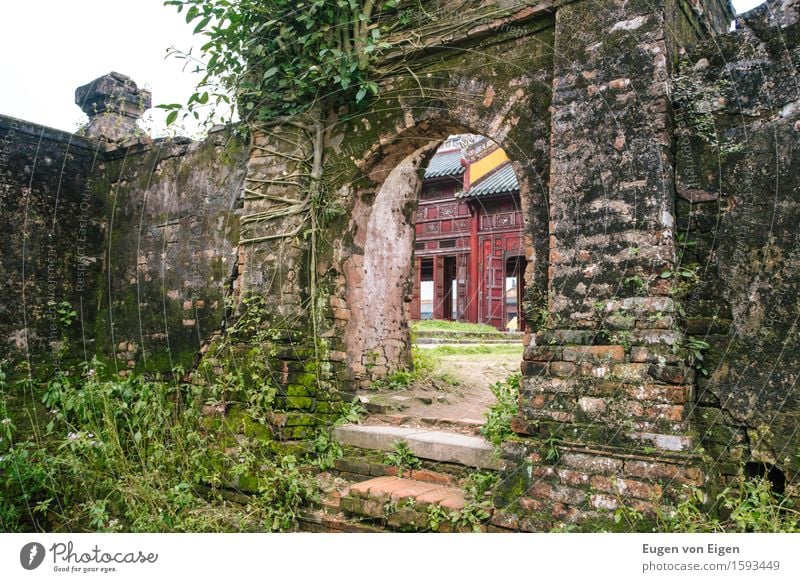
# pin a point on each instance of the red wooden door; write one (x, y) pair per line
(438, 288)
(493, 287)
(415, 297)
(462, 270)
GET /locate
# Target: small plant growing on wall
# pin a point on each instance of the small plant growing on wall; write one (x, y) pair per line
(402, 457)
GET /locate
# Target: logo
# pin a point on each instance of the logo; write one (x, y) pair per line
(31, 555)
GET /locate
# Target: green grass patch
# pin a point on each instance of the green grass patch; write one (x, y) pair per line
(444, 325)
(473, 350)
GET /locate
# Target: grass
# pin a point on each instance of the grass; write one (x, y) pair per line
(474, 350)
(443, 325)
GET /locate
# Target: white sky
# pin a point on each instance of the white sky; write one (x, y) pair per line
(50, 47)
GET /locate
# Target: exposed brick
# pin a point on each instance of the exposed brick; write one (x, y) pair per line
(629, 487)
(603, 483)
(660, 393)
(542, 471)
(542, 353)
(352, 466)
(521, 425)
(601, 501)
(591, 463)
(574, 478)
(531, 505)
(664, 471)
(533, 368)
(563, 512)
(630, 372)
(592, 406)
(594, 354)
(430, 477)
(672, 374)
(563, 368)
(670, 412)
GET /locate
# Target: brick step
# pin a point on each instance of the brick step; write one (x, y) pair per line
(433, 445)
(404, 504)
(317, 521)
(363, 468)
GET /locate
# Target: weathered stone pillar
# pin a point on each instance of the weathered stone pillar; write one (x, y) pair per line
(276, 260)
(606, 392)
(113, 103)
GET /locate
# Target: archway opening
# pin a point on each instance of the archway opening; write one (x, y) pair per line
(443, 278)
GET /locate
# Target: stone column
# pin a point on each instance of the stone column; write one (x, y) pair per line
(113, 103)
(607, 391)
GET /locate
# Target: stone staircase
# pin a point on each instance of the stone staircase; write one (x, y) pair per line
(365, 494)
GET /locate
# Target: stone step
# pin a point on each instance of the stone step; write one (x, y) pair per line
(433, 445)
(471, 426)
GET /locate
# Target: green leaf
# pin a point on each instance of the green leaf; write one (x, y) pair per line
(201, 25)
(361, 93)
(173, 115)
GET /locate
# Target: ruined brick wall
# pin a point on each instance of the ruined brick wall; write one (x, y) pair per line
(51, 211)
(171, 252)
(738, 130)
(140, 240)
(604, 120)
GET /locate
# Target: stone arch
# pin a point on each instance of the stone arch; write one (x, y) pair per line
(378, 276)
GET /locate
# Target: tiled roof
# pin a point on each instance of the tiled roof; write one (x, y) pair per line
(444, 164)
(502, 180)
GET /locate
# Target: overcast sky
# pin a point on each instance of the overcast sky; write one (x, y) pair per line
(50, 47)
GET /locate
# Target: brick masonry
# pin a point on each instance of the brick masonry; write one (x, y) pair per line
(644, 141)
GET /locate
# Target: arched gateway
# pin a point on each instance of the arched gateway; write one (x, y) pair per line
(577, 94)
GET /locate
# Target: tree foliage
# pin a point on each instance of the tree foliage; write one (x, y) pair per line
(283, 57)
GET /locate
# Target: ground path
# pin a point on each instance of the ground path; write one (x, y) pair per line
(456, 395)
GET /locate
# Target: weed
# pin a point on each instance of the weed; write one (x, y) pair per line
(436, 516)
(498, 418)
(472, 517)
(402, 457)
(480, 483)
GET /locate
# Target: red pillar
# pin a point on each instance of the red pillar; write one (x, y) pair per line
(415, 297)
(438, 287)
(474, 250)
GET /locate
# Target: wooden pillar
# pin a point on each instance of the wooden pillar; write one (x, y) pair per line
(474, 251)
(438, 287)
(416, 306)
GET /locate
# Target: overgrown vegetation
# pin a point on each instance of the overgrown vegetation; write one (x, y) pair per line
(475, 350)
(129, 454)
(281, 58)
(749, 505)
(498, 418)
(424, 368)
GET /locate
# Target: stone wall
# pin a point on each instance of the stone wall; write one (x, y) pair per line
(171, 251)
(51, 216)
(140, 240)
(738, 130)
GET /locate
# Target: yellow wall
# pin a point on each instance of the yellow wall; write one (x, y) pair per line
(480, 168)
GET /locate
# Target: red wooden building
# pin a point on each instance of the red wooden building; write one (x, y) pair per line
(469, 251)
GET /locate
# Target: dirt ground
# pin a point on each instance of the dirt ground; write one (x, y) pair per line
(458, 393)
